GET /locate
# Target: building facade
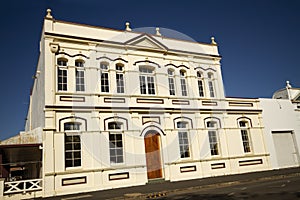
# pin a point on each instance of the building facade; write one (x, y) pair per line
(119, 108)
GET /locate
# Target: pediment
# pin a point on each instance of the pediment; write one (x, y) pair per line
(297, 98)
(146, 41)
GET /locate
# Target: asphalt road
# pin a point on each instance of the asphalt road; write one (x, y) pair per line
(287, 188)
(275, 184)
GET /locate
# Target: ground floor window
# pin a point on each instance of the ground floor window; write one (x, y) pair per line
(184, 144)
(116, 147)
(213, 143)
(72, 150)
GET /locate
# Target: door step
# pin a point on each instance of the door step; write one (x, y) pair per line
(156, 180)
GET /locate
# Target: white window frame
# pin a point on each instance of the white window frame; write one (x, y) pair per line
(183, 83)
(213, 137)
(72, 133)
(80, 76)
(183, 139)
(171, 80)
(147, 78)
(245, 136)
(114, 147)
(62, 74)
(200, 81)
(104, 81)
(120, 78)
(211, 87)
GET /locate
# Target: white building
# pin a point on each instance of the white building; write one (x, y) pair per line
(120, 108)
(281, 118)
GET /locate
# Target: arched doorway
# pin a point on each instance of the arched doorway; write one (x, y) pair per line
(153, 155)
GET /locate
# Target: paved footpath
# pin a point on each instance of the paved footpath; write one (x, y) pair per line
(158, 189)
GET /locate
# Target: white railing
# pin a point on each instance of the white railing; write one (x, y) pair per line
(22, 186)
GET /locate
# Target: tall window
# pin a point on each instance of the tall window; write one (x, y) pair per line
(79, 75)
(213, 137)
(171, 82)
(200, 84)
(120, 78)
(72, 145)
(211, 85)
(183, 83)
(244, 126)
(183, 140)
(62, 77)
(104, 77)
(115, 142)
(147, 84)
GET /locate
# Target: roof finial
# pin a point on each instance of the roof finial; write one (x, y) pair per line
(127, 26)
(213, 40)
(288, 85)
(157, 32)
(49, 16)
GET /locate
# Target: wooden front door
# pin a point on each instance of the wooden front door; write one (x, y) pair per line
(153, 159)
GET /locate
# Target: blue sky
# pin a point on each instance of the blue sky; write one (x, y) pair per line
(259, 41)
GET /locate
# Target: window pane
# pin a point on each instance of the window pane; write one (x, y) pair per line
(171, 86)
(79, 63)
(62, 79)
(103, 66)
(143, 85)
(72, 151)
(213, 142)
(183, 145)
(200, 87)
(183, 87)
(181, 124)
(104, 82)
(116, 148)
(211, 89)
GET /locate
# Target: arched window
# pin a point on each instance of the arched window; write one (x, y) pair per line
(184, 146)
(79, 64)
(116, 142)
(214, 144)
(147, 83)
(200, 84)
(244, 125)
(211, 85)
(171, 81)
(72, 126)
(62, 74)
(120, 77)
(104, 77)
(183, 83)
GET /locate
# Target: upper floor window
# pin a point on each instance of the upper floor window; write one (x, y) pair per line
(62, 75)
(200, 84)
(147, 83)
(244, 126)
(79, 75)
(171, 82)
(211, 85)
(213, 137)
(116, 142)
(184, 146)
(120, 78)
(104, 77)
(183, 83)
(62, 62)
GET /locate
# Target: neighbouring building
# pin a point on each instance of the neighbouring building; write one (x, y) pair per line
(119, 108)
(281, 118)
